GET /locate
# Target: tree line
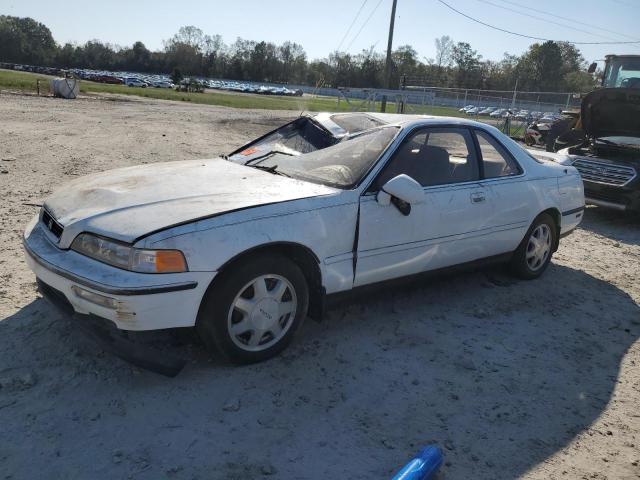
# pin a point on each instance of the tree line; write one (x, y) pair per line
(548, 66)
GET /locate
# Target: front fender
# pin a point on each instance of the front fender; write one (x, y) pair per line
(327, 231)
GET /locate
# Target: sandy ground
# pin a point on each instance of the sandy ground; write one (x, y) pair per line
(513, 379)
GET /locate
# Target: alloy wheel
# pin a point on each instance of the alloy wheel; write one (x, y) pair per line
(538, 247)
(262, 312)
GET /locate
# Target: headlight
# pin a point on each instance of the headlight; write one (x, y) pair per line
(123, 256)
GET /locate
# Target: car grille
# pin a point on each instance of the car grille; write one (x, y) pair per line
(52, 225)
(607, 173)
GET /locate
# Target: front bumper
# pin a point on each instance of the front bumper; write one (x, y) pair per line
(619, 198)
(139, 301)
(105, 334)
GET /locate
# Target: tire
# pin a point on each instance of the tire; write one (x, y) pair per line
(534, 253)
(251, 312)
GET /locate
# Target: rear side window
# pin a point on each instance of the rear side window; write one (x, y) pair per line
(434, 156)
(496, 161)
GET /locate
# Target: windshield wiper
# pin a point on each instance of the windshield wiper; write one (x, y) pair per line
(268, 154)
(272, 169)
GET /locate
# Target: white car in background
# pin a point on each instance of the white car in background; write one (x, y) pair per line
(135, 82)
(162, 84)
(244, 247)
(487, 111)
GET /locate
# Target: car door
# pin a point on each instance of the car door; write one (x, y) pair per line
(447, 228)
(507, 191)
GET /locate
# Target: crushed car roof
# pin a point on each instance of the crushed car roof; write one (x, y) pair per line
(340, 124)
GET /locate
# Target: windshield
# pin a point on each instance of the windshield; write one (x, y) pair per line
(342, 165)
(623, 73)
(303, 135)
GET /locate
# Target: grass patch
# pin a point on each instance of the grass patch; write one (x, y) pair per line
(25, 81)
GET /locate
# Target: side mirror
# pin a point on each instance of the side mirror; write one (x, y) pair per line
(592, 67)
(403, 191)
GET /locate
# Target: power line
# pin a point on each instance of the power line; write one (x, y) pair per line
(364, 24)
(529, 15)
(530, 36)
(351, 26)
(570, 19)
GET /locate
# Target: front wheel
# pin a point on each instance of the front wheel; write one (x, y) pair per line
(534, 253)
(252, 311)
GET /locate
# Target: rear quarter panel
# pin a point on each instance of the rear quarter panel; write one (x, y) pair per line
(571, 191)
(557, 187)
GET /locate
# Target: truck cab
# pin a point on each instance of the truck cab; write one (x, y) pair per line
(621, 71)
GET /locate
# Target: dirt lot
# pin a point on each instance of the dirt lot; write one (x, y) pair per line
(513, 379)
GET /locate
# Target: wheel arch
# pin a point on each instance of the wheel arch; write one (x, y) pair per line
(301, 255)
(554, 213)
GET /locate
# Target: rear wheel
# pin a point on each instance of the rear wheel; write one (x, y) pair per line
(534, 253)
(252, 311)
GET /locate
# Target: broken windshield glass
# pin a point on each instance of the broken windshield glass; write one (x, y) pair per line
(342, 165)
(303, 135)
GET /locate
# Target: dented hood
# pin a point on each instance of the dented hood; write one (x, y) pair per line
(611, 112)
(129, 203)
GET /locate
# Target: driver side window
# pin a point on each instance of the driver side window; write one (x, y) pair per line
(433, 156)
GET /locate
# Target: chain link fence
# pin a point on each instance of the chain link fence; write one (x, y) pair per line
(519, 107)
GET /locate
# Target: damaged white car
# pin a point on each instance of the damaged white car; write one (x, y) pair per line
(244, 247)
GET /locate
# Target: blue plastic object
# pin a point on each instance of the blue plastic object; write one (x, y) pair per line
(423, 466)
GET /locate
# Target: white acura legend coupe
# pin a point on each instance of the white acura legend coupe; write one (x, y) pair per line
(245, 246)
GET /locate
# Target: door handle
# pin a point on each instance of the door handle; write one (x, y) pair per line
(478, 197)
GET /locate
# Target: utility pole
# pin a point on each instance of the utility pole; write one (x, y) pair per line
(383, 106)
(515, 92)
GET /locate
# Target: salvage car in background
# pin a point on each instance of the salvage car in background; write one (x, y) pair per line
(544, 131)
(608, 157)
(605, 145)
(246, 246)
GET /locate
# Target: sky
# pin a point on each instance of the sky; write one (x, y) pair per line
(320, 25)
